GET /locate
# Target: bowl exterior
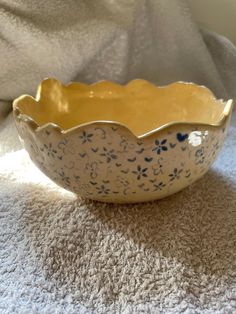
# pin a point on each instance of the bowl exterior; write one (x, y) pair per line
(106, 162)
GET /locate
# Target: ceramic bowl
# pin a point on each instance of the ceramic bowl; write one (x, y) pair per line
(114, 143)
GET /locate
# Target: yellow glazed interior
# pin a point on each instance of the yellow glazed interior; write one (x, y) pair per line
(139, 105)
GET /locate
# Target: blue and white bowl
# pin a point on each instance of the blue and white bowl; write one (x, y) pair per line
(114, 143)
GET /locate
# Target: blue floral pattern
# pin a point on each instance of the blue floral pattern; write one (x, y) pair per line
(159, 186)
(160, 146)
(176, 174)
(103, 190)
(140, 172)
(106, 163)
(108, 154)
(86, 137)
(50, 151)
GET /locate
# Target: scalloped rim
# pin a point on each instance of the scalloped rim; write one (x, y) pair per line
(33, 124)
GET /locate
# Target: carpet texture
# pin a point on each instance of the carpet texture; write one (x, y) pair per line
(60, 254)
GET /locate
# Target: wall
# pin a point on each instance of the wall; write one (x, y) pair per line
(216, 15)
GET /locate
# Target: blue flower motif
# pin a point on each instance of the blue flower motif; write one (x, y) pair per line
(175, 174)
(86, 137)
(140, 172)
(103, 190)
(51, 152)
(160, 146)
(159, 186)
(109, 154)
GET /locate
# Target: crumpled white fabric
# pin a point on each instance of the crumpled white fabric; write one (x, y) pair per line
(115, 40)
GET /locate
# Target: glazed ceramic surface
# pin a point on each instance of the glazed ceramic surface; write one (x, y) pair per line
(117, 143)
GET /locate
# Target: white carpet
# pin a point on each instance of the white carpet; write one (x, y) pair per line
(59, 254)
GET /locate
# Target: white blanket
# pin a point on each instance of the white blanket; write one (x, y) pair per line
(61, 255)
(117, 40)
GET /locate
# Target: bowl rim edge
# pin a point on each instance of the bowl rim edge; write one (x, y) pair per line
(18, 115)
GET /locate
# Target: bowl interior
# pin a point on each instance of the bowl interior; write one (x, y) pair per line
(139, 105)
